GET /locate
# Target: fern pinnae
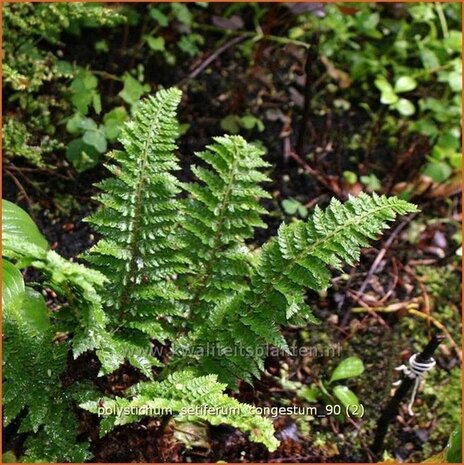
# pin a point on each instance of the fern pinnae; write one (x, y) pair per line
(222, 214)
(297, 259)
(140, 206)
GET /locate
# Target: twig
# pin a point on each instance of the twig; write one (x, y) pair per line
(312, 172)
(20, 187)
(415, 312)
(212, 57)
(383, 251)
(256, 36)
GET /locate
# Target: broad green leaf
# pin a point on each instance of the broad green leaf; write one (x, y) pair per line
(17, 225)
(371, 181)
(250, 122)
(84, 90)
(96, 138)
(382, 84)
(350, 177)
(132, 90)
(113, 121)
(88, 124)
(388, 95)
(454, 448)
(348, 399)
(429, 59)
(405, 84)
(82, 101)
(81, 155)
(290, 206)
(310, 394)
(74, 124)
(34, 311)
(348, 368)
(182, 13)
(155, 43)
(230, 123)
(455, 81)
(454, 41)
(405, 107)
(13, 289)
(159, 17)
(439, 171)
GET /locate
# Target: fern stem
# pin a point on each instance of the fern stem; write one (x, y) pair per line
(201, 281)
(135, 236)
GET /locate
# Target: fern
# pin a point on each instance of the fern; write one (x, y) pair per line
(32, 366)
(299, 258)
(173, 265)
(139, 253)
(188, 398)
(221, 213)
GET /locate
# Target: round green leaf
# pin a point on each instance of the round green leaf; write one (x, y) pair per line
(348, 399)
(17, 225)
(388, 95)
(96, 139)
(310, 394)
(13, 289)
(350, 177)
(348, 368)
(455, 81)
(290, 206)
(132, 90)
(113, 121)
(405, 107)
(155, 43)
(454, 41)
(439, 171)
(405, 84)
(230, 123)
(388, 98)
(81, 155)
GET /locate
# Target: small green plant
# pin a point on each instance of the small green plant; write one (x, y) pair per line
(32, 362)
(173, 265)
(408, 58)
(293, 206)
(34, 75)
(232, 124)
(337, 395)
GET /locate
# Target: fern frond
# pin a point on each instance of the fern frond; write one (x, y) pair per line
(139, 214)
(220, 215)
(188, 399)
(299, 258)
(32, 366)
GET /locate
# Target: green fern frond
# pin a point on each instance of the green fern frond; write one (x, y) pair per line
(222, 212)
(188, 399)
(299, 258)
(139, 215)
(32, 367)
